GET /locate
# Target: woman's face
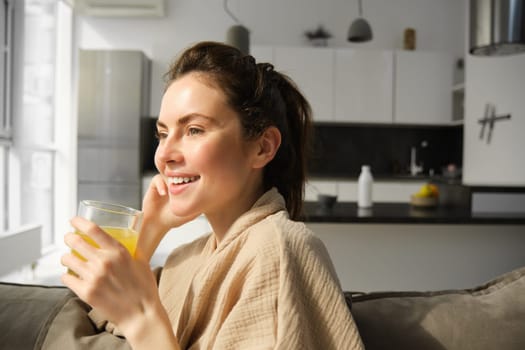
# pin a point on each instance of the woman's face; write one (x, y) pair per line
(202, 154)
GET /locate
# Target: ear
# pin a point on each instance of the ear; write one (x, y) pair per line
(267, 146)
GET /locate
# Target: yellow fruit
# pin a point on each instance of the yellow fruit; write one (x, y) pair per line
(427, 190)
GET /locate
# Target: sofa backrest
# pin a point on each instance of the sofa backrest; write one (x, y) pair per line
(491, 316)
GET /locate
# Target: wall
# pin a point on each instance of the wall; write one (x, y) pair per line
(439, 25)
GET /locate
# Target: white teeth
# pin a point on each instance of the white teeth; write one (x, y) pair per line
(179, 180)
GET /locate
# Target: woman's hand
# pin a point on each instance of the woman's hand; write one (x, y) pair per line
(122, 289)
(158, 218)
(109, 279)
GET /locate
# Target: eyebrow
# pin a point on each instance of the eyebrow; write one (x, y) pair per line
(187, 118)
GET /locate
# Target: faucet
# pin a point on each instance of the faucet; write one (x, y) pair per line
(414, 168)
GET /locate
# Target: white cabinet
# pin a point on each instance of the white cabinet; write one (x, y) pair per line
(363, 85)
(312, 70)
(369, 86)
(500, 82)
(423, 82)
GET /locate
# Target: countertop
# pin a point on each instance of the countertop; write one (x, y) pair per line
(383, 213)
(393, 178)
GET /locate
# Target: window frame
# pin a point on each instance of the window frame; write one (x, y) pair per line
(6, 50)
(5, 90)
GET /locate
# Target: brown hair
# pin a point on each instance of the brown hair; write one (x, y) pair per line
(262, 97)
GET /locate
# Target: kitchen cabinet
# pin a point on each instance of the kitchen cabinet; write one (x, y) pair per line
(363, 82)
(373, 257)
(369, 86)
(423, 83)
(493, 157)
(312, 70)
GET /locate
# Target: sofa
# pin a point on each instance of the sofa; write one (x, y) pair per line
(491, 316)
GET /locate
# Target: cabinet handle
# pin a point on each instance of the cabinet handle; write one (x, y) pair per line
(490, 118)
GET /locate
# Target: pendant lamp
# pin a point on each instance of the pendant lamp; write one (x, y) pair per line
(237, 35)
(360, 30)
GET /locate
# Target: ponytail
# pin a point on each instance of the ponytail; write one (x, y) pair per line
(288, 170)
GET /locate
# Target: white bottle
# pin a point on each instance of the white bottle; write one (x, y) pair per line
(364, 188)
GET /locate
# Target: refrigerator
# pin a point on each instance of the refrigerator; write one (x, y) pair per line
(113, 97)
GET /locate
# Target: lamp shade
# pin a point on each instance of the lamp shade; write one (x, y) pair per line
(238, 36)
(359, 31)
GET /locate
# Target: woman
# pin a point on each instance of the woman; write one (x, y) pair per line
(232, 145)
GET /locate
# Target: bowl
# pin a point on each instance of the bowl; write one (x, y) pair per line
(326, 201)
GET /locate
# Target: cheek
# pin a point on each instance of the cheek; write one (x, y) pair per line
(205, 156)
(220, 158)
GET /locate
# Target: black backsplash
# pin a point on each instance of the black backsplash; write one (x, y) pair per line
(341, 149)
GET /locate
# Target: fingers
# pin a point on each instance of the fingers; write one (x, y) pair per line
(88, 262)
(76, 266)
(80, 278)
(159, 185)
(80, 246)
(156, 196)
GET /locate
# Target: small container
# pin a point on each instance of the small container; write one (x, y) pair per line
(409, 39)
(326, 201)
(364, 187)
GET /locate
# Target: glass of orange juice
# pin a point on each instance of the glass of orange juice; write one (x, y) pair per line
(120, 222)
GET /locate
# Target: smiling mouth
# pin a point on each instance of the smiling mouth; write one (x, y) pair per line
(182, 180)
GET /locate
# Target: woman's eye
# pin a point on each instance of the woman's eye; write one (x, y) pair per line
(161, 135)
(194, 131)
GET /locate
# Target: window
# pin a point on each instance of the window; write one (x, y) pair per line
(34, 126)
(40, 103)
(5, 42)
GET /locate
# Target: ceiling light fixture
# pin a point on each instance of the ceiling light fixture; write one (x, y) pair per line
(237, 35)
(360, 31)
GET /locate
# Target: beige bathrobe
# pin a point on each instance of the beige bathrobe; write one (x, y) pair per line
(269, 284)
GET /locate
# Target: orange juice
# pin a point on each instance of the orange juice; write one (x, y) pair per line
(127, 237)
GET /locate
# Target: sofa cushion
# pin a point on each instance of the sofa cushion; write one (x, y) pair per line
(491, 316)
(42, 317)
(26, 311)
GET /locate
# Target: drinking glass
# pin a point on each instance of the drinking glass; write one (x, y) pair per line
(120, 222)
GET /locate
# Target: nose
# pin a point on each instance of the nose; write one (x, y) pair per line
(168, 151)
